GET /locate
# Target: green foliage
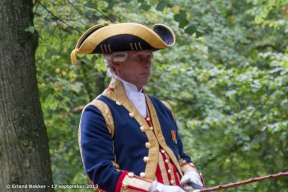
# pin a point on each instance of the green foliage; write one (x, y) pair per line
(226, 79)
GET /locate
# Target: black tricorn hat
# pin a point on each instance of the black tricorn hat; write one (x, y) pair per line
(104, 38)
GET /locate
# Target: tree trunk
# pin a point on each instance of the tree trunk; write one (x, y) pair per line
(24, 150)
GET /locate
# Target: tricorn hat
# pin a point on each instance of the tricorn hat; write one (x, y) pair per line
(104, 38)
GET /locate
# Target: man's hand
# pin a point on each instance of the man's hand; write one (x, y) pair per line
(159, 187)
(191, 175)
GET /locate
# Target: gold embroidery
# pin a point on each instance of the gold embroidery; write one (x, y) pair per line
(104, 109)
(120, 95)
(169, 107)
(159, 134)
(109, 122)
(135, 182)
(131, 46)
(140, 45)
(101, 48)
(163, 170)
(105, 48)
(109, 48)
(136, 46)
(171, 171)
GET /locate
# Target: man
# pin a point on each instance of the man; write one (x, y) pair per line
(128, 140)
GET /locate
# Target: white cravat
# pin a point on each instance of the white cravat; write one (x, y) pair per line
(135, 96)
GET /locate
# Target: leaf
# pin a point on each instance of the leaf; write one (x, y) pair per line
(49, 54)
(30, 29)
(145, 7)
(126, 1)
(161, 6)
(199, 33)
(111, 4)
(191, 29)
(53, 105)
(91, 5)
(175, 9)
(153, 2)
(181, 19)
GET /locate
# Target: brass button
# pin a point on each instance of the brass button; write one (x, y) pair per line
(169, 171)
(118, 103)
(132, 115)
(166, 161)
(142, 128)
(172, 182)
(142, 174)
(146, 159)
(162, 151)
(148, 145)
(148, 119)
(151, 128)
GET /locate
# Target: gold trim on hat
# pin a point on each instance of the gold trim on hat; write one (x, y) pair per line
(135, 29)
(131, 46)
(140, 45)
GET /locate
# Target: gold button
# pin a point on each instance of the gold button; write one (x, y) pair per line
(172, 182)
(118, 103)
(151, 128)
(162, 151)
(146, 159)
(166, 161)
(132, 115)
(142, 128)
(169, 171)
(130, 174)
(148, 119)
(142, 174)
(148, 145)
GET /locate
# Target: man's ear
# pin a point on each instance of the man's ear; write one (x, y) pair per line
(116, 65)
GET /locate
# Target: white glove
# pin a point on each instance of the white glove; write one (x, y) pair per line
(191, 175)
(159, 187)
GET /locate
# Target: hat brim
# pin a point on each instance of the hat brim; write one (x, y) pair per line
(106, 38)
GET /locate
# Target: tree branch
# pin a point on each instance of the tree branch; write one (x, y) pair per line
(56, 16)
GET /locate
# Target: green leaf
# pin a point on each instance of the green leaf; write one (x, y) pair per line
(153, 2)
(126, 1)
(191, 29)
(145, 7)
(49, 54)
(30, 29)
(111, 4)
(91, 5)
(161, 6)
(181, 18)
(199, 33)
(53, 105)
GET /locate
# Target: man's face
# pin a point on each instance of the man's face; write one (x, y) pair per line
(136, 68)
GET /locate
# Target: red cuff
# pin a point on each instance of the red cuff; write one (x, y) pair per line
(120, 180)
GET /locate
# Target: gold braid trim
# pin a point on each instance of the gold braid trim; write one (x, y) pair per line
(120, 97)
(134, 182)
(159, 134)
(169, 107)
(104, 109)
